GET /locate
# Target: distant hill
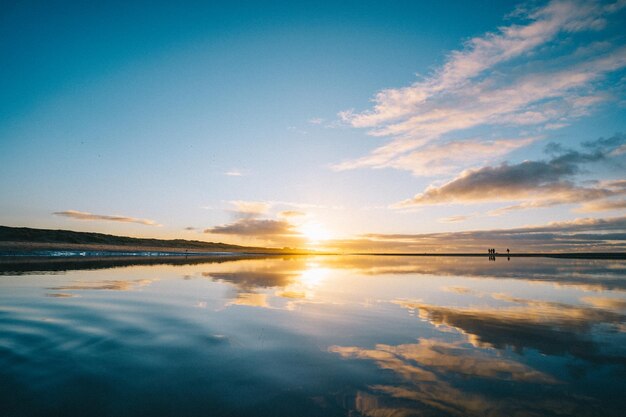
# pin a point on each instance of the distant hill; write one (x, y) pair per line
(20, 238)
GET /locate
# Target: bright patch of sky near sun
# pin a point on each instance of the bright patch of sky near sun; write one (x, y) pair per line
(166, 116)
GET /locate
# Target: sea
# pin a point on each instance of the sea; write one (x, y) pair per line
(82, 334)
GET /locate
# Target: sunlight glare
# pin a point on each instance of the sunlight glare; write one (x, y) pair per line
(314, 232)
(313, 276)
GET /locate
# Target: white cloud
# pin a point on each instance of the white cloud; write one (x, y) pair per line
(448, 157)
(251, 207)
(234, 173)
(483, 85)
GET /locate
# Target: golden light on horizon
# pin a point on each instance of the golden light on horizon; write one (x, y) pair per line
(314, 232)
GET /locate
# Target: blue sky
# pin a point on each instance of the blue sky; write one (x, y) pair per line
(294, 123)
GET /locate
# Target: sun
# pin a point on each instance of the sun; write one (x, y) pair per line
(314, 232)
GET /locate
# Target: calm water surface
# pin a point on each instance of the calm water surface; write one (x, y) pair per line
(315, 336)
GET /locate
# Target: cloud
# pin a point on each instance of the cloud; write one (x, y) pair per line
(251, 207)
(454, 219)
(585, 234)
(261, 220)
(263, 207)
(291, 213)
(248, 223)
(297, 130)
(279, 233)
(541, 183)
(81, 215)
(522, 75)
(605, 205)
(447, 157)
(254, 227)
(234, 173)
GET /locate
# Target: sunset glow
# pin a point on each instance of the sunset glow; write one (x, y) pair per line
(315, 233)
(313, 208)
(419, 126)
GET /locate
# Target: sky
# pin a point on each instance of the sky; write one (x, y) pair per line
(370, 126)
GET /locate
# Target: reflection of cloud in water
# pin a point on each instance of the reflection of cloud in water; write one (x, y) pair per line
(549, 327)
(294, 280)
(250, 299)
(421, 361)
(251, 279)
(298, 295)
(60, 295)
(438, 378)
(458, 290)
(591, 275)
(261, 273)
(617, 304)
(112, 285)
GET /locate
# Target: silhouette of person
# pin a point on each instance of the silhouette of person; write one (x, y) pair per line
(507, 251)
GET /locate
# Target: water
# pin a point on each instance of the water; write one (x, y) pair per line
(313, 336)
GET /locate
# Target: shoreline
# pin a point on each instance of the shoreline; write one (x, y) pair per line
(26, 264)
(563, 255)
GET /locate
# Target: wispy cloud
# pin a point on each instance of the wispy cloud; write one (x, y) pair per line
(450, 156)
(234, 173)
(604, 205)
(483, 85)
(250, 208)
(81, 215)
(297, 130)
(109, 285)
(291, 213)
(262, 207)
(454, 219)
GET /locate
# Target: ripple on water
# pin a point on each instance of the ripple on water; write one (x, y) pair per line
(369, 337)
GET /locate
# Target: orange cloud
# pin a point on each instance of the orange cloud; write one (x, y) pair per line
(81, 215)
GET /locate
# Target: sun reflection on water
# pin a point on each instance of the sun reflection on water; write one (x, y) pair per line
(395, 335)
